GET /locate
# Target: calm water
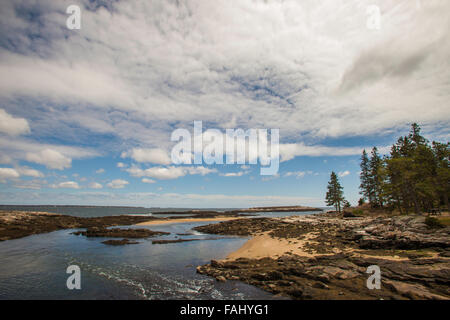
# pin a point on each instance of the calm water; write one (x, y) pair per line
(34, 267)
(96, 211)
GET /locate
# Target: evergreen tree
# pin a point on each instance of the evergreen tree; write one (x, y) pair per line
(365, 177)
(416, 175)
(361, 201)
(415, 135)
(347, 204)
(375, 179)
(334, 196)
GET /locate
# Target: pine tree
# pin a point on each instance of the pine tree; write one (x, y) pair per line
(400, 169)
(334, 196)
(415, 136)
(375, 179)
(365, 177)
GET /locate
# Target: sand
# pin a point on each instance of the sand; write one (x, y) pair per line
(185, 220)
(263, 245)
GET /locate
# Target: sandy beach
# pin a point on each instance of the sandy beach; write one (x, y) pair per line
(265, 246)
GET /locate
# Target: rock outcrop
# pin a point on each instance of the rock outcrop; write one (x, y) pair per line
(413, 258)
(119, 233)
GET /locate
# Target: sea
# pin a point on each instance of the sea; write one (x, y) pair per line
(35, 267)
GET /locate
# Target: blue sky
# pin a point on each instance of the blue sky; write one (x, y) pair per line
(86, 115)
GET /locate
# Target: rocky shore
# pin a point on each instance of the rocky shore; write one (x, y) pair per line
(326, 257)
(119, 242)
(119, 233)
(277, 209)
(18, 224)
(178, 240)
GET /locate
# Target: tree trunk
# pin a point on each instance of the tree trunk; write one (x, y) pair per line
(413, 196)
(399, 205)
(416, 204)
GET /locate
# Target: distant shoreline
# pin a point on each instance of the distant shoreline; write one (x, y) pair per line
(16, 224)
(183, 220)
(228, 209)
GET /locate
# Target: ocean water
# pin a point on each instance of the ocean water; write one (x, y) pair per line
(95, 211)
(34, 267)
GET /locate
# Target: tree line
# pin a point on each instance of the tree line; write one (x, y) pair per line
(414, 177)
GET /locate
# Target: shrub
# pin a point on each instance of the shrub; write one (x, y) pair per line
(433, 223)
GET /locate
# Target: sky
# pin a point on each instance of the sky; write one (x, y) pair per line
(86, 115)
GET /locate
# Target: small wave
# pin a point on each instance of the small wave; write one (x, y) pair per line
(127, 281)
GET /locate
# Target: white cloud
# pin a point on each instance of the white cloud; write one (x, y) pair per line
(179, 62)
(59, 156)
(270, 178)
(161, 65)
(234, 174)
(50, 158)
(156, 156)
(8, 173)
(291, 150)
(158, 172)
(95, 185)
(5, 159)
(161, 199)
(14, 173)
(13, 126)
(66, 185)
(117, 184)
(30, 184)
(200, 170)
(297, 174)
(167, 173)
(343, 173)
(30, 172)
(146, 180)
(121, 165)
(99, 171)
(61, 80)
